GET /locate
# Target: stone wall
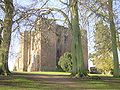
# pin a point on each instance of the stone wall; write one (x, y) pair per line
(85, 48)
(42, 48)
(48, 46)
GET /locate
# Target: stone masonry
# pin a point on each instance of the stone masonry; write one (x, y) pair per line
(41, 48)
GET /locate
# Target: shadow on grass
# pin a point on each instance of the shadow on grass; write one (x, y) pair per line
(23, 83)
(107, 84)
(55, 82)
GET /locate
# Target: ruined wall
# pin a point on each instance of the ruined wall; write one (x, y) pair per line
(85, 48)
(35, 52)
(42, 48)
(64, 41)
(21, 63)
(48, 45)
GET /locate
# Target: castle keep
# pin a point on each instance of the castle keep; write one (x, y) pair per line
(41, 49)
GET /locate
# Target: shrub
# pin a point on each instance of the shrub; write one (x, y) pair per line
(65, 62)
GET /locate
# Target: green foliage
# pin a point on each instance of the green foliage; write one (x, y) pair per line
(102, 37)
(103, 63)
(66, 62)
(102, 57)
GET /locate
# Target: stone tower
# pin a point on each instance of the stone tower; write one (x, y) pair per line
(42, 47)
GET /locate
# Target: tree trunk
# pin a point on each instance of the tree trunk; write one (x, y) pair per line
(7, 28)
(113, 38)
(77, 52)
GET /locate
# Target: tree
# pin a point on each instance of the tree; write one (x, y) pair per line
(102, 57)
(104, 9)
(7, 29)
(102, 37)
(73, 24)
(77, 52)
(103, 63)
(113, 38)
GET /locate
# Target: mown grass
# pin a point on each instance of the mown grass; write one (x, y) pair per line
(59, 73)
(23, 83)
(45, 73)
(99, 84)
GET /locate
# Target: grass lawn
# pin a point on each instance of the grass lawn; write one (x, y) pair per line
(56, 81)
(46, 73)
(24, 84)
